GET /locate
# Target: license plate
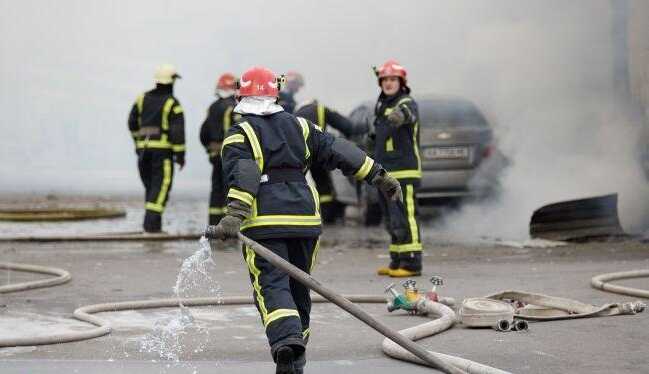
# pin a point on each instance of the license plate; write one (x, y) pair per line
(441, 153)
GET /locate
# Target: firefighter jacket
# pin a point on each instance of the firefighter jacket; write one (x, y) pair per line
(156, 121)
(265, 159)
(220, 117)
(397, 148)
(323, 116)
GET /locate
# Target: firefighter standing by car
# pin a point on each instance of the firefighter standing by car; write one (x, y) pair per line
(397, 149)
(265, 158)
(323, 116)
(220, 117)
(294, 81)
(157, 126)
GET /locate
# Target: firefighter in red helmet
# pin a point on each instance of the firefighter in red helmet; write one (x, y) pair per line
(265, 158)
(397, 149)
(220, 117)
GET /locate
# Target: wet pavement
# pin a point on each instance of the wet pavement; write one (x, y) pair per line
(232, 340)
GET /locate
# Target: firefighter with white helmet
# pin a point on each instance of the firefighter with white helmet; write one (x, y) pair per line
(157, 126)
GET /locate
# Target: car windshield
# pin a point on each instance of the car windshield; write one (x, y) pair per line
(445, 113)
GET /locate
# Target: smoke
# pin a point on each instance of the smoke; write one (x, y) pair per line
(543, 70)
(562, 114)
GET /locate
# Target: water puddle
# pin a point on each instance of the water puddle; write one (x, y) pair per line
(178, 337)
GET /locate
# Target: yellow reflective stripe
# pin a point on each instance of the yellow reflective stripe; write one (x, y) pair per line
(227, 119)
(412, 247)
(410, 207)
(178, 147)
(250, 260)
(236, 138)
(161, 144)
(415, 145)
(326, 198)
(403, 101)
(305, 132)
(392, 109)
(316, 199)
(178, 109)
(320, 109)
(166, 182)
(154, 207)
(282, 220)
(364, 169)
(140, 104)
(306, 333)
(254, 143)
(280, 313)
(389, 145)
(405, 174)
(166, 109)
(244, 196)
(216, 211)
(314, 256)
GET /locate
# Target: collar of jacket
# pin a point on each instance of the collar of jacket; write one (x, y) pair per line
(386, 101)
(259, 105)
(163, 89)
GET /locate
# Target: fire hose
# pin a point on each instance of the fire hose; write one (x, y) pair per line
(399, 345)
(601, 282)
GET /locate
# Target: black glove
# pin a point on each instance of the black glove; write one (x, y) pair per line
(179, 158)
(229, 225)
(388, 185)
(397, 117)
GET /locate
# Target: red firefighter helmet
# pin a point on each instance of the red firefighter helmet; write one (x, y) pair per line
(227, 81)
(258, 81)
(392, 68)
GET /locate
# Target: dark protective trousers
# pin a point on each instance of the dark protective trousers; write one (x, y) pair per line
(219, 192)
(283, 303)
(156, 172)
(402, 223)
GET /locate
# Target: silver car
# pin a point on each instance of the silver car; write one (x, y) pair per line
(459, 156)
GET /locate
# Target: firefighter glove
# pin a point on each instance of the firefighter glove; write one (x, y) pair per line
(396, 118)
(229, 226)
(389, 186)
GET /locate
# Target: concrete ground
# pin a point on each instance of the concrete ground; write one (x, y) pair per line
(231, 339)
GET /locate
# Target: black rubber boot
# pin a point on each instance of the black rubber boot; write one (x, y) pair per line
(152, 222)
(410, 261)
(284, 359)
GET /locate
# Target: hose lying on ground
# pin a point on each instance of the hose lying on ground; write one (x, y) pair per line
(574, 308)
(445, 321)
(601, 282)
(62, 276)
(59, 214)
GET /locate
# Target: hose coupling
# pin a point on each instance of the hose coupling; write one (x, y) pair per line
(502, 325)
(520, 325)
